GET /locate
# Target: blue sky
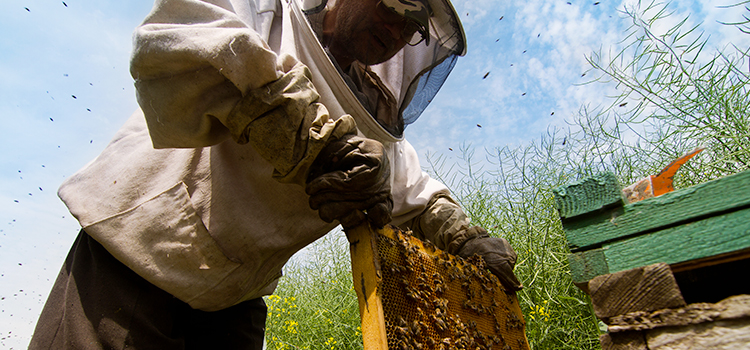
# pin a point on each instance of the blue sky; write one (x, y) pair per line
(65, 89)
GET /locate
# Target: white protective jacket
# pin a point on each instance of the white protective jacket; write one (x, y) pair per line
(177, 200)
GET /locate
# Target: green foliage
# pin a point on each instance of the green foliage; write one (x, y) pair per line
(314, 306)
(674, 94)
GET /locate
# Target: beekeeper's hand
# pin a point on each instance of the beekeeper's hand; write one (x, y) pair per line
(497, 253)
(350, 182)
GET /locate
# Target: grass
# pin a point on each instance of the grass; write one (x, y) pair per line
(315, 306)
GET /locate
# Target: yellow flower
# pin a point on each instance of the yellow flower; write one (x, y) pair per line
(291, 326)
(330, 342)
(540, 311)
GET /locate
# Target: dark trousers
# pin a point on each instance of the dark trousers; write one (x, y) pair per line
(99, 303)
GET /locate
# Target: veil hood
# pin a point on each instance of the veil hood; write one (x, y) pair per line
(416, 73)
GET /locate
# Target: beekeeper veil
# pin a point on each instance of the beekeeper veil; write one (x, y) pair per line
(416, 73)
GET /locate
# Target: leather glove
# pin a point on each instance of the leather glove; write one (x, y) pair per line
(350, 182)
(498, 255)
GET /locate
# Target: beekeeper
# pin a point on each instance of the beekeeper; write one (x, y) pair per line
(263, 124)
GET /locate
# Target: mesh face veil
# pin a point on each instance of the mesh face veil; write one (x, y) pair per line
(416, 73)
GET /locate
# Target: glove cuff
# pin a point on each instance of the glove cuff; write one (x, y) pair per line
(286, 125)
(463, 236)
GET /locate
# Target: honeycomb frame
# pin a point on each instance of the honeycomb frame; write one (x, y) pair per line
(424, 298)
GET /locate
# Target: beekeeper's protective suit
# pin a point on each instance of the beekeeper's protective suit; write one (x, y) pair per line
(206, 191)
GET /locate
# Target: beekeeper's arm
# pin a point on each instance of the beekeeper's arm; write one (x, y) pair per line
(202, 76)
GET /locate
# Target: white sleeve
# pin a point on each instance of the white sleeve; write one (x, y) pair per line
(424, 205)
(192, 62)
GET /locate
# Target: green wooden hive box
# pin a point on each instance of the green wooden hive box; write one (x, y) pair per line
(702, 225)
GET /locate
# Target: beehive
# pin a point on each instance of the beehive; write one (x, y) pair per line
(665, 272)
(419, 297)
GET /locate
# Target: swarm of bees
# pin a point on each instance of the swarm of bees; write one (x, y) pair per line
(434, 300)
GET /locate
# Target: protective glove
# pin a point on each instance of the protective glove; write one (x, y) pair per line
(349, 181)
(286, 125)
(498, 255)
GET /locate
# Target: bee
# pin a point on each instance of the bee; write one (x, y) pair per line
(439, 323)
(408, 266)
(415, 295)
(415, 328)
(462, 341)
(429, 246)
(480, 309)
(411, 250)
(513, 322)
(461, 328)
